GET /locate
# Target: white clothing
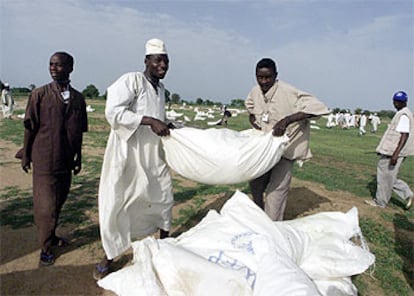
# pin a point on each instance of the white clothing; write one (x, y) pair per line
(347, 118)
(363, 121)
(375, 120)
(135, 191)
(155, 46)
(7, 103)
(362, 124)
(403, 125)
(352, 121)
(330, 123)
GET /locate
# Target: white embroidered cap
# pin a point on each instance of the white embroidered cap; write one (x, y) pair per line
(155, 46)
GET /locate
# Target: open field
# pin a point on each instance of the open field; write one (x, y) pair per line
(341, 175)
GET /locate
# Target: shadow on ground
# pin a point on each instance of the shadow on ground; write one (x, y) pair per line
(302, 200)
(404, 242)
(51, 280)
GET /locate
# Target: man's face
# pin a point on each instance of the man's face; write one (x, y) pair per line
(58, 68)
(157, 65)
(265, 77)
(399, 105)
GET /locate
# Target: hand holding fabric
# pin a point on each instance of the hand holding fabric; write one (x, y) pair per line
(252, 119)
(159, 127)
(280, 127)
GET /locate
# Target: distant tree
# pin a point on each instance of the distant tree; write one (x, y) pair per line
(90, 92)
(32, 86)
(208, 102)
(238, 103)
(199, 101)
(386, 113)
(175, 98)
(358, 111)
(336, 110)
(20, 91)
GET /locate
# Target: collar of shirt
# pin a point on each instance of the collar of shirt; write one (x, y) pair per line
(270, 93)
(65, 95)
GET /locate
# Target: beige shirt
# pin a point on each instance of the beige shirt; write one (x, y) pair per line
(391, 137)
(282, 100)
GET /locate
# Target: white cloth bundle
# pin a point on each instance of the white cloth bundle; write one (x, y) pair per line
(240, 251)
(222, 156)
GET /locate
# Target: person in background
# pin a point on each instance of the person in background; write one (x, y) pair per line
(375, 121)
(135, 190)
(7, 101)
(226, 116)
(276, 106)
(331, 120)
(396, 144)
(362, 124)
(54, 123)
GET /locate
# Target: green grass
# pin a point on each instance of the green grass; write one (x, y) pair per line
(342, 161)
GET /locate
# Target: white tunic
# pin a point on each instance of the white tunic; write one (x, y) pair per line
(135, 191)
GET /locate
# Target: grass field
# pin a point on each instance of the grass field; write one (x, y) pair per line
(343, 161)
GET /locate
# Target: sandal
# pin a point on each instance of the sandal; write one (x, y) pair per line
(100, 272)
(46, 259)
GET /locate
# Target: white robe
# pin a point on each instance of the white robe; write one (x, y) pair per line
(135, 191)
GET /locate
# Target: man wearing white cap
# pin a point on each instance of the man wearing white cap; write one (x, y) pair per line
(7, 101)
(135, 191)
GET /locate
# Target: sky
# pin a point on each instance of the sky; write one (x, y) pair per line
(348, 53)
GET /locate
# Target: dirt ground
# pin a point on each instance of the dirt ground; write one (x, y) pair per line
(72, 272)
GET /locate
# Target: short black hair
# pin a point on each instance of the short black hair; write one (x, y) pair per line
(67, 57)
(266, 63)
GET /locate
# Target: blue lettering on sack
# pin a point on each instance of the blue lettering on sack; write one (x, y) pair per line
(244, 241)
(228, 262)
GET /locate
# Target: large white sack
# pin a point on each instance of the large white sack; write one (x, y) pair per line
(241, 209)
(345, 225)
(252, 249)
(140, 277)
(183, 273)
(243, 247)
(319, 244)
(332, 254)
(222, 156)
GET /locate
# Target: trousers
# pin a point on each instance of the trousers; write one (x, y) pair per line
(49, 194)
(275, 184)
(387, 181)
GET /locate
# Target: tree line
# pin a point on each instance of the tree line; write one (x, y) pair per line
(91, 92)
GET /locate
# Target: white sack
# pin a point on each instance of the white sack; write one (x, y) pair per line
(183, 273)
(140, 277)
(243, 238)
(242, 252)
(222, 156)
(332, 254)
